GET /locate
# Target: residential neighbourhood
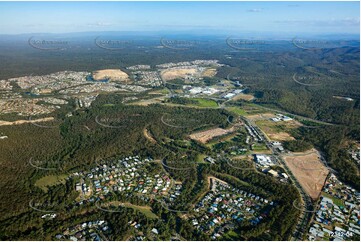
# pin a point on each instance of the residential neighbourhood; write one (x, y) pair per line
(129, 176)
(87, 231)
(337, 216)
(225, 206)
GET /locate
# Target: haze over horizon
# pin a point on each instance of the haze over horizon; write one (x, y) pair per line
(284, 18)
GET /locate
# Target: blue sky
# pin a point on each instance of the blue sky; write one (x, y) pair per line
(212, 17)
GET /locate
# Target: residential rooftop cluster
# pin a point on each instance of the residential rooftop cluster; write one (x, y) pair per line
(224, 206)
(88, 231)
(173, 193)
(5, 85)
(25, 107)
(148, 78)
(139, 67)
(67, 84)
(54, 81)
(128, 175)
(338, 212)
(189, 63)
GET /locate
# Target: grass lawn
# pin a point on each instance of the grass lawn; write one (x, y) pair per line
(224, 138)
(161, 91)
(231, 235)
(108, 105)
(200, 158)
(238, 111)
(207, 103)
(274, 126)
(48, 181)
(143, 209)
(259, 147)
(335, 200)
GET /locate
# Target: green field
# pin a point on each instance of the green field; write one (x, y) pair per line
(48, 181)
(200, 158)
(143, 209)
(238, 111)
(206, 103)
(260, 147)
(335, 200)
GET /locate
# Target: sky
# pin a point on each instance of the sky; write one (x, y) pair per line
(212, 17)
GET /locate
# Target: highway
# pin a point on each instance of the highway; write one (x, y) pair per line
(305, 217)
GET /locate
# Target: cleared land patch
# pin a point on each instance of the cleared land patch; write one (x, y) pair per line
(237, 110)
(242, 96)
(146, 210)
(261, 116)
(17, 122)
(204, 103)
(149, 136)
(209, 72)
(205, 136)
(111, 74)
(308, 170)
(147, 102)
(51, 180)
(277, 131)
(171, 74)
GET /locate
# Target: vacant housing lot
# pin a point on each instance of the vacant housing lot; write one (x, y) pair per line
(171, 74)
(308, 170)
(112, 74)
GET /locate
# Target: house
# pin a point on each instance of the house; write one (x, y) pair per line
(154, 230)
(78, 187)
(210, 160)
(284, 175)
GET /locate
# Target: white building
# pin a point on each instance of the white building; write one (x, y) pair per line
(264, 160)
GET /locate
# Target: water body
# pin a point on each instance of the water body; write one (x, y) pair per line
(31, 94)
(91, 79)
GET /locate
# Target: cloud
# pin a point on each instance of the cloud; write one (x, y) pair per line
(255, 10)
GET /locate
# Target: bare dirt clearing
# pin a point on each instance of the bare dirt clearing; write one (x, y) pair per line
(112, 74)
(242, 96)
(261, 116)
(277, 131)
(149, 136)
(17, 122)
(209, 72)
(308, 170)
(147, 102)
(171, 74)
(205, 136)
